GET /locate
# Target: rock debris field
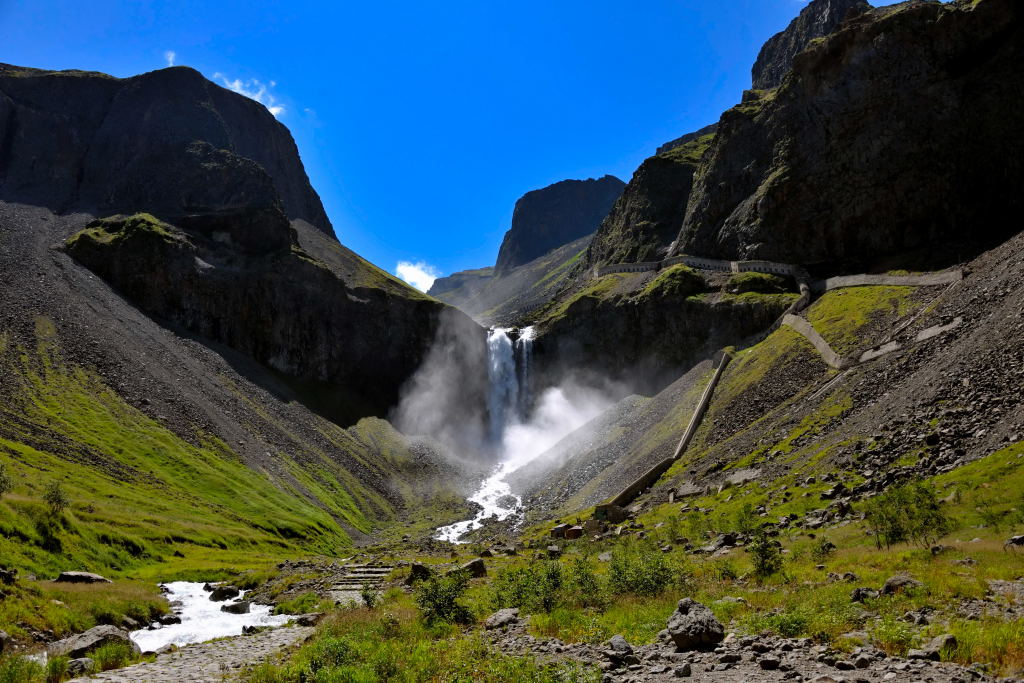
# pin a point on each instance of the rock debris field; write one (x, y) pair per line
(217, 660)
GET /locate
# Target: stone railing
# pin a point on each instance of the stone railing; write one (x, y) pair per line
(701, 263)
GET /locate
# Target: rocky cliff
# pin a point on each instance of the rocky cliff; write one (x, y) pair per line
(646, 219)
(818, 19)
(169, 142)
(899, 132)
(234, 245)
(555, 215)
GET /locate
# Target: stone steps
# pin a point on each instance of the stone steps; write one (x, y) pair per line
(349, 587)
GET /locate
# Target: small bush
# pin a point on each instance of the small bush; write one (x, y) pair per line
(55, 498)
(907, 514)
(583, 585)
(822, 550)
(301, 604)
(762, 283)
(638, 572)
(112, 656)
(19, 670)
(746, 520)
(438, 599)
(57, 669)
(766, 555)
(892, 635)
(369, 595)
(534, 588)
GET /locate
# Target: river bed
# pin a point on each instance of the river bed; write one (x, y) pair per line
(202, 619)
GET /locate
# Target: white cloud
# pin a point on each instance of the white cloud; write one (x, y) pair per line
(254, 89)
(420, 275)
(170, 56)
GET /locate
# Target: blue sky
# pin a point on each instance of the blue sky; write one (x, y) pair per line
(421, 123)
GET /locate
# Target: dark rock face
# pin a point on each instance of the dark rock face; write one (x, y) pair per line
(647, 217)
(349, 344)
(898, 132)
(169, 142)
(818, 19)
(555, 215)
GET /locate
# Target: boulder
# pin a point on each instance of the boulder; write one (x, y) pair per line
(503, 617)
(900, 583)
(81, 577)
(170, 619)
(240, 607)
(418, 572)
(692, 626)
(222, 593)
(861, 594)
(311, 619)
(6, 642)
(8, 576)
(554, 551)
(81, 666)
(78, 645)
(573, 532)
(475, 568)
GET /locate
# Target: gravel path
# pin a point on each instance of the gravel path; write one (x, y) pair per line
(217, 660)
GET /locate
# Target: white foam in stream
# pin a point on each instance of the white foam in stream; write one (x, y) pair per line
(202, 619)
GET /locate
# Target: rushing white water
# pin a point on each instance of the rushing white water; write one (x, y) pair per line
(503, 385)
(519, 439)
(202, 619)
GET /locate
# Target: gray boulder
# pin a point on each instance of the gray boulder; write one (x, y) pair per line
(475, 568)
(78, 645)
(900, 583)
(693, 626)
(503, 617)
(80, 667)
(81, 577)
(222, 593)
(240, 607)
(933, 649)
(6, 642)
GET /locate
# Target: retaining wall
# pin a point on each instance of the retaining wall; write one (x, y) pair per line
(701, 263)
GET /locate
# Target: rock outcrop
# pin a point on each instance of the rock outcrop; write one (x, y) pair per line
(82, 643)
(350, 343)
(898, 132)
(169, 142)
(233, 244)
(689, 137)
(818, 19)
(647, 217)
(555, 215)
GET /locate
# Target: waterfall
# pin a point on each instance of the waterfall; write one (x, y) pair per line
(503, 383)
(524, 349)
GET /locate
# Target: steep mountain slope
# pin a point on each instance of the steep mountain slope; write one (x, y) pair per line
(233, 256)
(555, 215)
(508, 297)
(896, 133)
(176, 372)
(780, 414)
(818, 19)
(646, 219)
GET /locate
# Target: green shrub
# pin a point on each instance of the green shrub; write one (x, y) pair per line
(638, 572)
(790, 623)
(534, 588)
(822, 550)
(745, 519)
(369, 595)
(55, 497)
(112, 656)
(762, 283)
(766, 554)
(57, 669)
(19, 670)
(438, 599)
(583, 585)
(302, 604)
(907, 514)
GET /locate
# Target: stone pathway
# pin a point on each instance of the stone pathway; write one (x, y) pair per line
(348, 588)
(219, 660)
